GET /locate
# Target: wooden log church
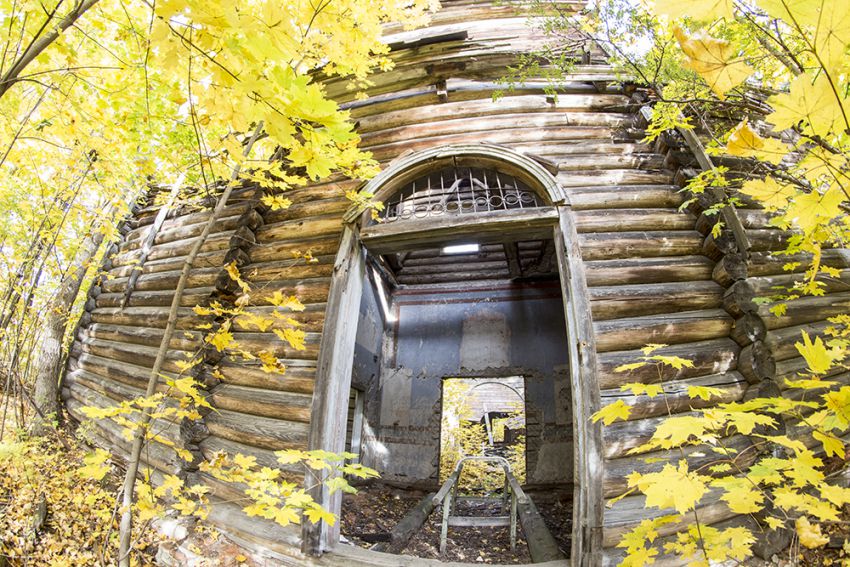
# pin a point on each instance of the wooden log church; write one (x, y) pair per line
(531, 239)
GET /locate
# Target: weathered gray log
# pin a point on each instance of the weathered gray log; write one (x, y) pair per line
(611, 302)
(756, 362)
(675, 398)
(630, 220)
(669, 328)
(739, 298)
(736, 450)
(748, 329)
(541, 545)
(715, 356)
(647, 270)
(729, 269)
(647, 244)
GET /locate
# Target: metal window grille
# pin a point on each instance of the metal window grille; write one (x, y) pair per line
(459, 191)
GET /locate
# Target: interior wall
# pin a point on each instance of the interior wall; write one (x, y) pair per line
(502, 329)
(367, 368)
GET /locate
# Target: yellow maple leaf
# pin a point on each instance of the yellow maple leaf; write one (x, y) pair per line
(316, 513)
(810, 99)
(289, 302)
(768, 192)
(286, 515)
(811, 211)
(221, 339)
(612, 412)
(746, 142)
(831, 445)
(810, 535)
(714, 60)
(818, 358)
(695, 9)
(672, 487)
(96, 465)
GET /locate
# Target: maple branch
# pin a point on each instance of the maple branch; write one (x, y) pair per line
(37, 46)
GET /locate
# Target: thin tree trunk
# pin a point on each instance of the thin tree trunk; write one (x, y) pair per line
(49, 358)
(34, 49)
(126, 527)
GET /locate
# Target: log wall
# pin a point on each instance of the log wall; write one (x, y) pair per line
(654, 273)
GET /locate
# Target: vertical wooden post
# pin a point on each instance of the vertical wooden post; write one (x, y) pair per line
(587, 447)
(329, 410)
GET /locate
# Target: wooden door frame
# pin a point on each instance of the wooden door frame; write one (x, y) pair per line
(336, 350)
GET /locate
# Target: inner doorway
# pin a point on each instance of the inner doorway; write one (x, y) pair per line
(483, 417)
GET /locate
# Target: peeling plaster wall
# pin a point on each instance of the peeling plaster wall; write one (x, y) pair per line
(505, 330)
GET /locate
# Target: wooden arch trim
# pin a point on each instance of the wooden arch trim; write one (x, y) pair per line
(336, 350)
(407, 168)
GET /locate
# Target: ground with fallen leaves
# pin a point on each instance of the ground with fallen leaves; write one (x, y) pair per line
(369, 516)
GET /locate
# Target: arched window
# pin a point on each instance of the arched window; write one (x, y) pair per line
(459, 190)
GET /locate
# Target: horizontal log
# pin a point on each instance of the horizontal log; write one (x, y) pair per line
(453, 276)
(675, 397)
(336, 204)
(716, 356)
(631, 220)
(198, 218)
(292, 269)
(621, 437)
(186, 231)
(162, 298)
(307, 290)
(806, 309)
(291, 249)
(157, 458)
(768, 264)
(611, 302)
(267, 403)
(214, 259)
(265, 457)
(496, 226)
(737, 450)
(565, 103)
(133, 375)
(88, 396)
(646, 244)
(298, 376)
(255, 342)
(177, 249)
(203, 277)
(613, 177)
(153, 317)
(781, 342)
(669, 328)
(312, 227)
(311, 319)
(446, 124)
(797, 368)
(625, 196)
(647, 270)
(262, 432)
(134, 354)
(189, 341)
(628, 512)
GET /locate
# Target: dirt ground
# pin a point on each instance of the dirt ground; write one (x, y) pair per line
(370, 515)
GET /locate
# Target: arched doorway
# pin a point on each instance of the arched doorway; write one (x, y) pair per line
(480, 195)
